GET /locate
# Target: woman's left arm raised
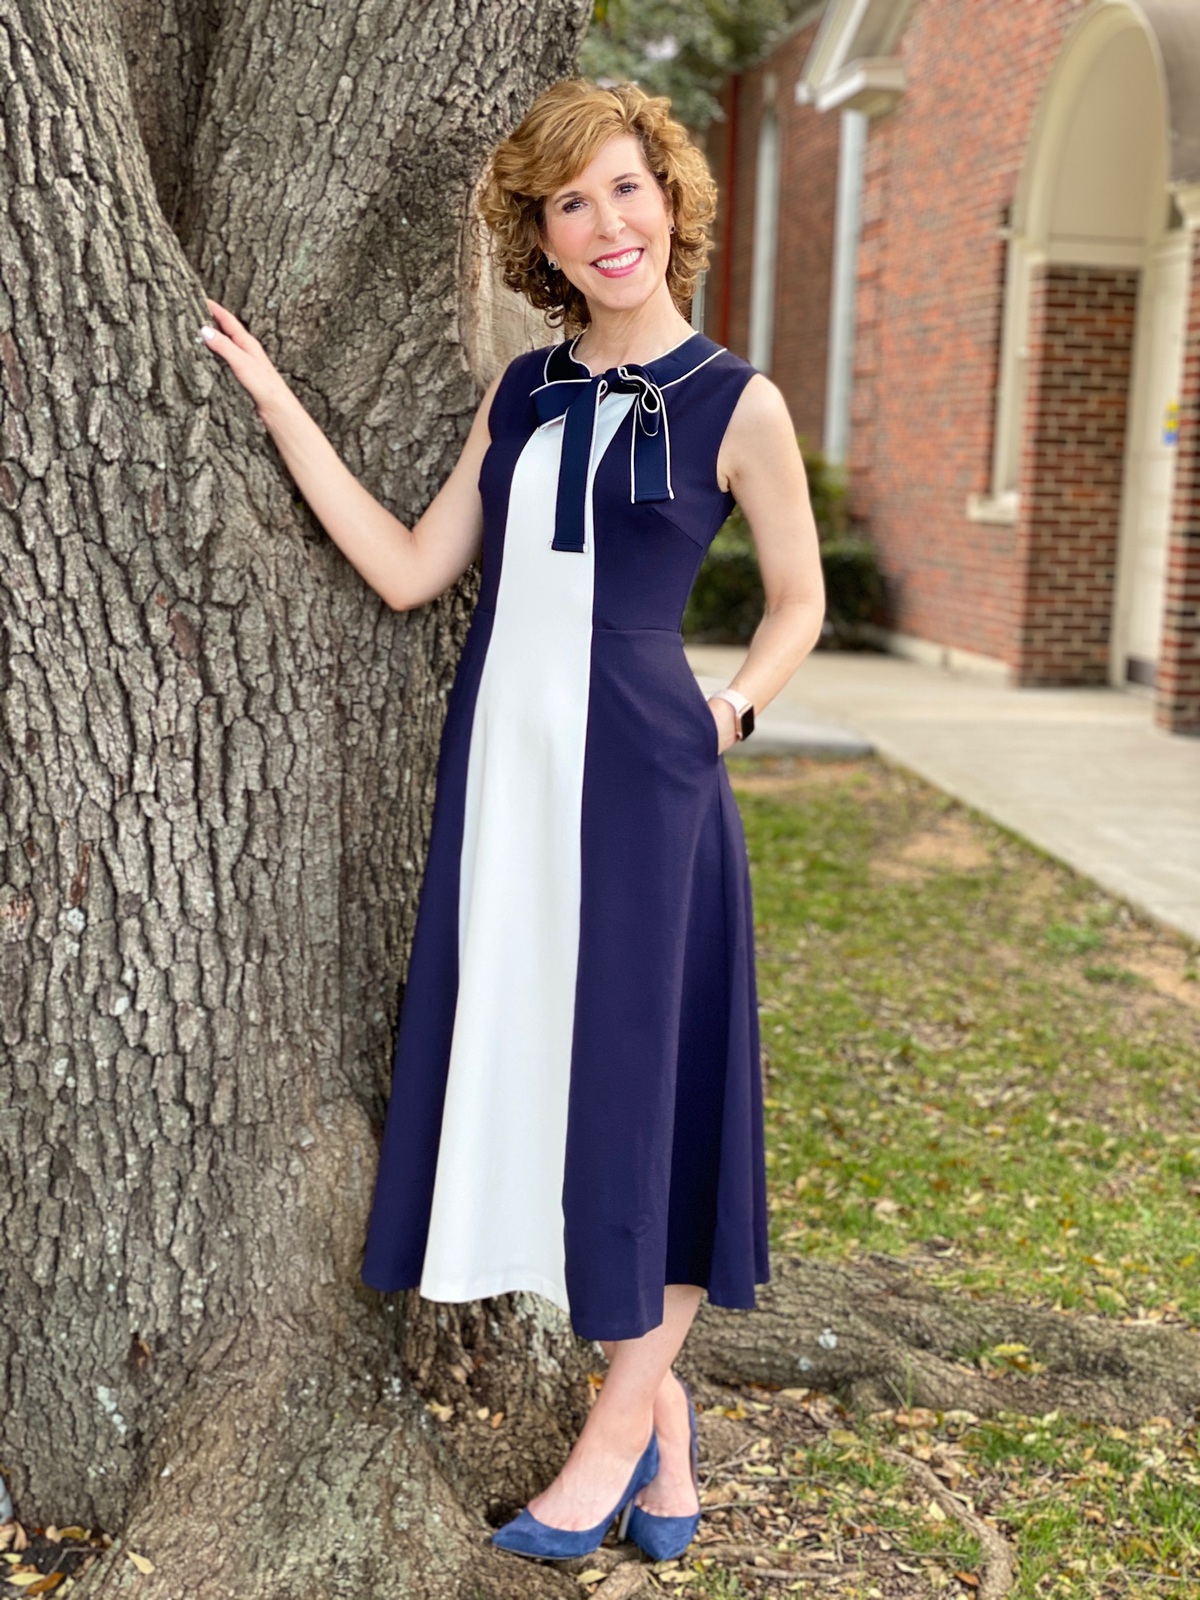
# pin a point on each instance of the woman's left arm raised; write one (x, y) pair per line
(760, 462)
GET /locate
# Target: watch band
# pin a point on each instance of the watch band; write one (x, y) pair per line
(743, 711)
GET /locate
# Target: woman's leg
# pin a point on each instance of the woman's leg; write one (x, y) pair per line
(639, 1393)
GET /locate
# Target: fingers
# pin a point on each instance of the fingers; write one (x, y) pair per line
(242, 353)
(229, 325)
(221, 342)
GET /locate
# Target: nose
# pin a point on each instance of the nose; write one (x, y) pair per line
(611, 220)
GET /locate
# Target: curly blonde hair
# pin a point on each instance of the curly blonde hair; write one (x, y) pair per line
(562, 132)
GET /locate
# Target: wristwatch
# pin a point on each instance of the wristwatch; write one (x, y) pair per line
(743, 711)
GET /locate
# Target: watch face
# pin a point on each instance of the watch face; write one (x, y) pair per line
(747, 722)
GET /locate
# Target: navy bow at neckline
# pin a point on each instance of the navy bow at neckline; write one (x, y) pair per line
(571, 391)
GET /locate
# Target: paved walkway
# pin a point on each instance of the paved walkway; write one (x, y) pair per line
(1083, 773)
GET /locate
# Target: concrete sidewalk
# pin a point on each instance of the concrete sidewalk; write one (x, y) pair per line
(1083, 773)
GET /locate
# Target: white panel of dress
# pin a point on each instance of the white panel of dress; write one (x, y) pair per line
(497, 1220)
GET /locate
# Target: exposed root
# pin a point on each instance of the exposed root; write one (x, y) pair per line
(876, 1334)
(999, 1570)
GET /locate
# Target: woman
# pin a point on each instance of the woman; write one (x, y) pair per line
(576, 1102)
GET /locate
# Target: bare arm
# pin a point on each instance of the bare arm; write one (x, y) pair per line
(765, 470)
(407, 566)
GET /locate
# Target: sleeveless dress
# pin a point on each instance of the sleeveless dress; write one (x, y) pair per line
(576, 1102)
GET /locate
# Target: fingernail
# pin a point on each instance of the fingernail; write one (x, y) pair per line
(206, 332)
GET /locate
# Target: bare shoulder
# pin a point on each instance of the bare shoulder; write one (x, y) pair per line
(760, 405)
(760, 426)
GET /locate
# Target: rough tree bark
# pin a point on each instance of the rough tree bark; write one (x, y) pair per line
(217, 751)
(218, 755)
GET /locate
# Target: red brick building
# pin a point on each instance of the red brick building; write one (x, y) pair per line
(963, 236)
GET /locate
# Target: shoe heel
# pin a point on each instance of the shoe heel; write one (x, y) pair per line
(626, 1511)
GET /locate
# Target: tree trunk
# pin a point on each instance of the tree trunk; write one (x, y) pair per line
(218, 760)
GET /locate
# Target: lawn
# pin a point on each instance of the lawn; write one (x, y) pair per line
(977, 1061)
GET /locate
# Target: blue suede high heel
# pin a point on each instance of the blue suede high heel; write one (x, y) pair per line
(664, 1538)
(526, 1536)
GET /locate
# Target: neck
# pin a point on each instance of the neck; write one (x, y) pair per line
(637, 336)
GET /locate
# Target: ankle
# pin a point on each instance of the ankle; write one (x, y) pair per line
(620, 1433)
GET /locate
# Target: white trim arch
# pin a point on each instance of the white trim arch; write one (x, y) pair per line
(1082, 134)
(1093, 190)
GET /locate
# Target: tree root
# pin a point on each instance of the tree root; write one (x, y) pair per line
(999, 1571)
(875, 1334)
(293, 1471)
(306, 1463)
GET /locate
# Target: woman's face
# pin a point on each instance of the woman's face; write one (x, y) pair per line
(609, 228)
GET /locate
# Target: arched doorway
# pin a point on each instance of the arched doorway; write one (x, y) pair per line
(1094, 354)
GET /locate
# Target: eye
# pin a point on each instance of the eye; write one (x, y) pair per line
(629, 184)
(571, 203)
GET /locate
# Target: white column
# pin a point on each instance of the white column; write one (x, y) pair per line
(766, 233)
(839, 378)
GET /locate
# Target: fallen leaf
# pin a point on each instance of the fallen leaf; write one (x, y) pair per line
(50, 1581)
(142, 1563)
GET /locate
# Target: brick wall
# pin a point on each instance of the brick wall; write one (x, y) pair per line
(1177, 700)
(808, 196)
(1073, 454)
(940, 178)
(941, 173)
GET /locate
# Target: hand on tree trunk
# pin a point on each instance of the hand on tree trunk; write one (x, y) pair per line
(246, 359)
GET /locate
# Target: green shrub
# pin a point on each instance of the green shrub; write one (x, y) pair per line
(726, 603)
(854, 590)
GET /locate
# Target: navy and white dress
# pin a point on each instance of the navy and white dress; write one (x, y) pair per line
(576, 1104)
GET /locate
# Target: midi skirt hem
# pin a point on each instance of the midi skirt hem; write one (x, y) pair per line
(536, 1283)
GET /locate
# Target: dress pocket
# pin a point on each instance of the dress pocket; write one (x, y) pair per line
(712, 733)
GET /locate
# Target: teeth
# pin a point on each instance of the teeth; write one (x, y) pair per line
(619, 261)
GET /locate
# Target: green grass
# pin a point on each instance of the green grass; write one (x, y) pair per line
(948, 1059)
(967, 1063)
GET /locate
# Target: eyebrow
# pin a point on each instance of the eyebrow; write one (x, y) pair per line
(566, 194)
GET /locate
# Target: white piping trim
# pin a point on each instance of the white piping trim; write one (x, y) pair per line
(554, 383)
(602, 389)
(695, 333)
(720, 350)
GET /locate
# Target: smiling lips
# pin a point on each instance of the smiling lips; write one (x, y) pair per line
(618, 266)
